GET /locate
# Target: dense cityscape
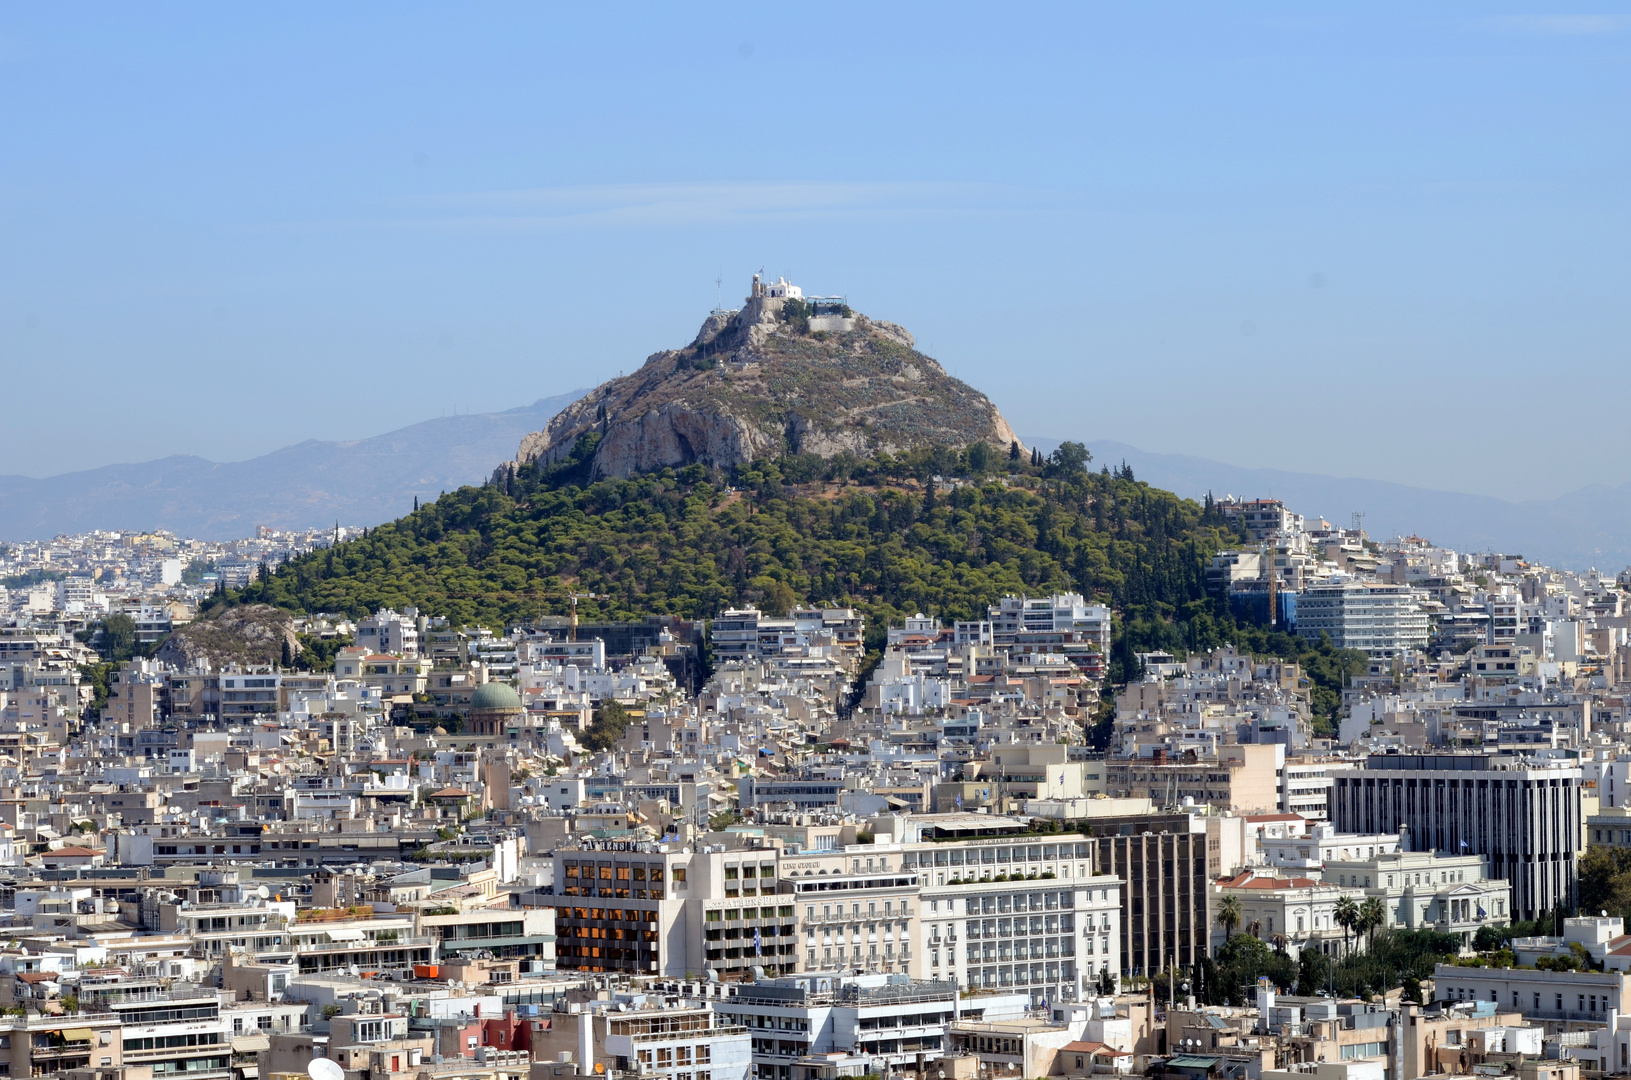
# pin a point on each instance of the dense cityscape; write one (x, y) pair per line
(753, 846)
(750, 542)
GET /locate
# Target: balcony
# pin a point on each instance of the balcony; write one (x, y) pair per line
(52, 1048)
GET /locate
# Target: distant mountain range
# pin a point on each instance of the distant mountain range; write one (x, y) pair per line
(308, 485)
(315, 483)
(1584, 528)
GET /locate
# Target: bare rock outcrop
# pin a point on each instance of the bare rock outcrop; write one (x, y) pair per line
(243, 635)
(760, 382)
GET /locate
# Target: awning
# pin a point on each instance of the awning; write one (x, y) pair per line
(80, 1034)
(340, 934)
(248, 1044)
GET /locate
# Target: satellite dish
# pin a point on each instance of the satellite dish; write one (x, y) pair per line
(263, 892)
(321, 1068)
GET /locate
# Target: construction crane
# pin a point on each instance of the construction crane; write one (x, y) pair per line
(572, 634)
(1271, 554)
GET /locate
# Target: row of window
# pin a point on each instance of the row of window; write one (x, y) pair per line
(958, 856)
(610, 914)
(1052, 924)
(164, 1042)
(734, 913)
(667, 1057)
(602, 933)
(1038, 948)
(621, 871)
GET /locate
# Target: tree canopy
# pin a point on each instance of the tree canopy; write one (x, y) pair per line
(800, 529)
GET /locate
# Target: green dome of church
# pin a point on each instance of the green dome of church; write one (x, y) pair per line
(495, 695)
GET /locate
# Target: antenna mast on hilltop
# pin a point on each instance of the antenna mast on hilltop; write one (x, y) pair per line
(1359, 521)
(719, 290)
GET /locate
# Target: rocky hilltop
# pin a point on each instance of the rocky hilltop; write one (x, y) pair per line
(783, 374)
(244, 634)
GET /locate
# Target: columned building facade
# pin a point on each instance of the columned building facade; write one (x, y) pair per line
(1524, 821)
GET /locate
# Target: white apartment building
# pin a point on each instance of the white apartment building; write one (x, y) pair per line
(1308, 788)
(1052, 928)
(387, 631)
(1383, 620)
(1062, 612)
(1323, 845)
(664, 1042)
(1591, 996)
(885, 1021)
(746, 634)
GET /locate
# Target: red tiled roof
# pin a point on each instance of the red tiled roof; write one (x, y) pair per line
(1251, 880)
(76, 852)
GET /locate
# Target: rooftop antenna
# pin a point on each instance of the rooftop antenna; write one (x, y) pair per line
(1358, 521)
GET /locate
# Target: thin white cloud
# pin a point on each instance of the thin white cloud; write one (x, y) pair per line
(1561, 25)
(691, 204)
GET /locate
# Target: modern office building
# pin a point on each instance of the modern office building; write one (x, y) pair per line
(1163, 859)
(1382, 620)
(1524, 820)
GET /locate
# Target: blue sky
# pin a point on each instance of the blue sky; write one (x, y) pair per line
(1376, 240)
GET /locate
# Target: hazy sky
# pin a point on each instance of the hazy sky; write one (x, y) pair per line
(1374, 240)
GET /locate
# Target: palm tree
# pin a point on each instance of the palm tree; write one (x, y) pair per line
(1346, 914)
(1229, 915)
(1372, 915)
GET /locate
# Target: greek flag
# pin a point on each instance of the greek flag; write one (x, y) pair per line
(1463, 845)
(756, 941)
(959, 802)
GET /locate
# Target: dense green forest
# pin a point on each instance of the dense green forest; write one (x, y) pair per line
(872, 533)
